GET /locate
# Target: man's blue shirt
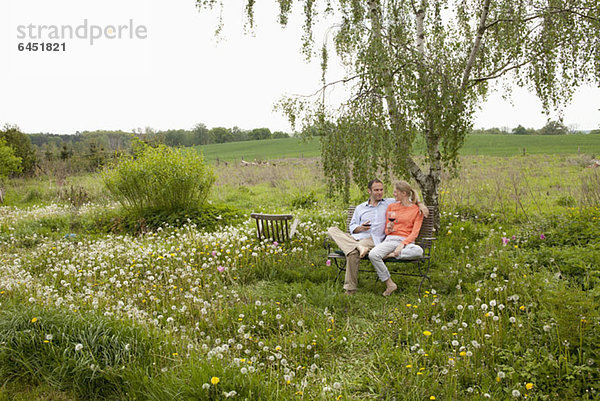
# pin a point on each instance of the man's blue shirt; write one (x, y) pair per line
(374, 214)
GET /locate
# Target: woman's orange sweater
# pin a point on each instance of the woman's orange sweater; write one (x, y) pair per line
(408, 221)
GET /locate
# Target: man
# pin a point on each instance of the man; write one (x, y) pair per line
(367, 229)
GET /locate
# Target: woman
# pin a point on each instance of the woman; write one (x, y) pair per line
(402, 228)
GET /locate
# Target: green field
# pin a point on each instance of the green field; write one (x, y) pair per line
(493, 145)
(95, 308)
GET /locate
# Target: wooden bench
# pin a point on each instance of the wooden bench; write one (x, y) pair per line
(275, 227)
(424, 240)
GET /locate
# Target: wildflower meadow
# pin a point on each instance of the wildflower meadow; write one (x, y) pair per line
(94, 309)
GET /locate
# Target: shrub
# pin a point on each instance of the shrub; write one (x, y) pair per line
(208, 218)
(305, 200)
(160, 179)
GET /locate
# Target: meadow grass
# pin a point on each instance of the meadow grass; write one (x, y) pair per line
(184, 313)
(487, 145)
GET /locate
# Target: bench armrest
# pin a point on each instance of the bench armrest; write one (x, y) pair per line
(294, 228)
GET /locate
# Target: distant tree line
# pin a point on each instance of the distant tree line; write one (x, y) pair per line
(201, 135)
(88, 151)
(551, 128)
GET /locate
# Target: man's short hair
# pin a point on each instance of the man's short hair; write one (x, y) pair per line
(373, 181)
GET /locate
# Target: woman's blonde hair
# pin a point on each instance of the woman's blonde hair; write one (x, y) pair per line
(405, 187)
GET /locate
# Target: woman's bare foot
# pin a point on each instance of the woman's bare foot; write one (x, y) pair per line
(362, 251)
(390, 289)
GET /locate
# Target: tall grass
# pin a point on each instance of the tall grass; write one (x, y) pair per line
(85, 355)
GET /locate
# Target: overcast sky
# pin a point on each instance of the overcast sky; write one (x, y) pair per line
(167, 70)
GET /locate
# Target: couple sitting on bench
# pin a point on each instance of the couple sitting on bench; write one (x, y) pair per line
(381, 228)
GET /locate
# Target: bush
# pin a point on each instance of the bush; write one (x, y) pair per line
(305, 200)
(207, 218)
(160, 179)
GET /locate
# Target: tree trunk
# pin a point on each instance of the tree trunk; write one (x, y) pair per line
(430, 190)
(430, 183)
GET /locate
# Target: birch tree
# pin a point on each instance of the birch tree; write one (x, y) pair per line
(418, 69)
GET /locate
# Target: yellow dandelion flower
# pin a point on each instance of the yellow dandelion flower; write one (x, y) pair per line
(522, 307)
(432, 397)
(463, 353)
(529, 386)
(498, 379)
(35, 319)
(215, 380)
(427, 332)
(409, 366)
